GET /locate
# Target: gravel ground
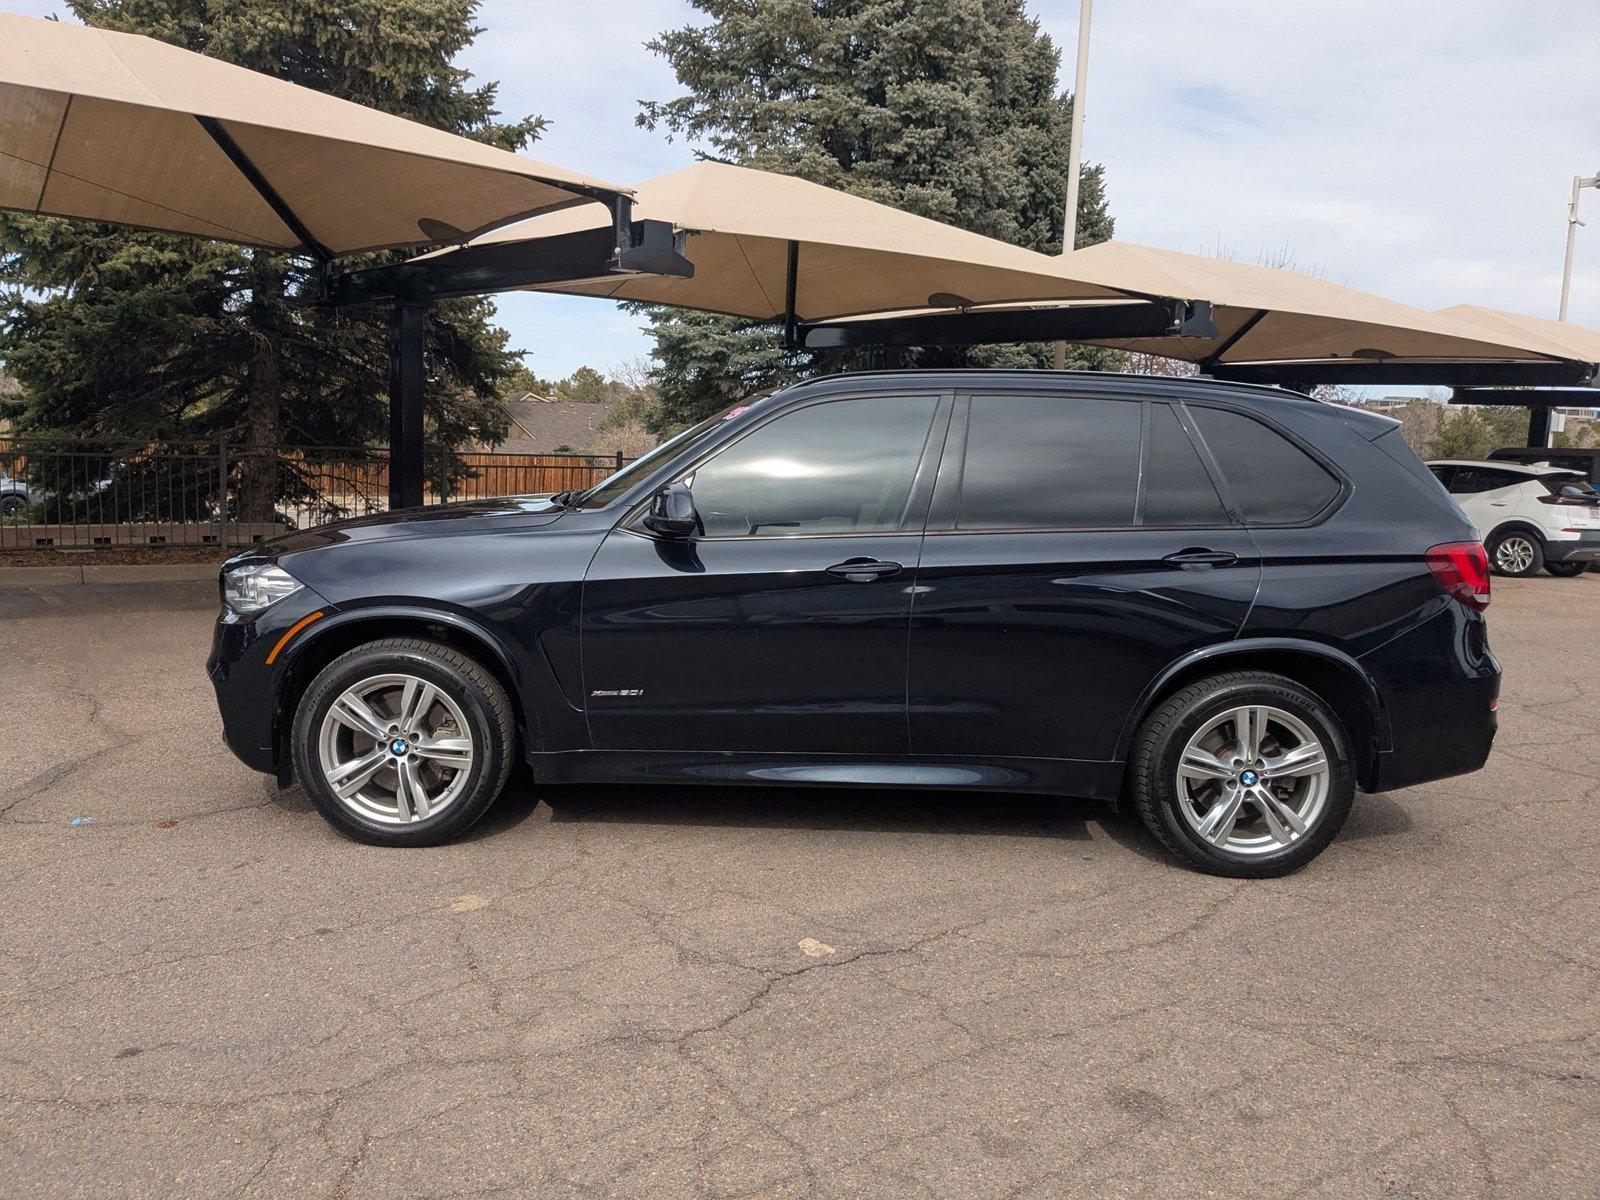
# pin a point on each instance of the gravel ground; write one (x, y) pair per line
(683, 992)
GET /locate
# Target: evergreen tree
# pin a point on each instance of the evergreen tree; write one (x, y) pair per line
(114, 333)
(945, 108)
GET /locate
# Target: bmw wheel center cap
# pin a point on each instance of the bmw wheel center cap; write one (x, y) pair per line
(399, 747)
(1248, 778)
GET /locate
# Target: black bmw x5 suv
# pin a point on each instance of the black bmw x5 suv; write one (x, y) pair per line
(1227, 607)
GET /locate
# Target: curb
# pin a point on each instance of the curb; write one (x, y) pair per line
(59, 576)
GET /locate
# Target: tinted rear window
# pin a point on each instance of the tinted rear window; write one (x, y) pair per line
(1273, 480)
(1554, 484)
(1177, 490)
(1050, 462)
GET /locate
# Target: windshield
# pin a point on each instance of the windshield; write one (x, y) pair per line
(613, 485)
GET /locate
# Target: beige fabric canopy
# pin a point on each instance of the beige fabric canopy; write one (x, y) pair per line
(859, 259)
(1270, 315)
(854, 256)
(103, 126)
(1563, 337)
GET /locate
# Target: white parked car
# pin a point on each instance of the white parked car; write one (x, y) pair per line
(1529, 516)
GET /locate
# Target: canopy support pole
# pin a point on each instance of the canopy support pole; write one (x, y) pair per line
(1539, 427)
(265, 190)
(791, 284)
(407, 332)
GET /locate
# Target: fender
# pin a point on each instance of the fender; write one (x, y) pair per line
(338, 619)
(1222, 651)
(1521, 524)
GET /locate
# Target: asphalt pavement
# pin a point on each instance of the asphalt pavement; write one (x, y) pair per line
(642, 992)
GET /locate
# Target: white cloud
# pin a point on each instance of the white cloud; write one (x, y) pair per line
(1421, 150)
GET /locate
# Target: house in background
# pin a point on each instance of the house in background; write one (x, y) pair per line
(545, 425)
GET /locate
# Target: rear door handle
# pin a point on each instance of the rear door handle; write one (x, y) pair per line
(864, 570)
(1197, 559)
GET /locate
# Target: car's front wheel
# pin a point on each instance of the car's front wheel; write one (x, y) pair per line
(1245, 774)
(403, 742)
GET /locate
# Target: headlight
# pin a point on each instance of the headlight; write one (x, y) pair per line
(253, 588)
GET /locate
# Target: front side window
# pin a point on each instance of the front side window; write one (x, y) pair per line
(1273, 480)
(1050, 462)
(843, 466)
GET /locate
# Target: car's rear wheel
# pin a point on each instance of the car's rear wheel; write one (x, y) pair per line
(1246, 774)
(1516, 552)
(403, 742)
(1566, 570)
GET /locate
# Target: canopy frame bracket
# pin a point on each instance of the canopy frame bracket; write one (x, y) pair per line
(265, 190)
(625, 247)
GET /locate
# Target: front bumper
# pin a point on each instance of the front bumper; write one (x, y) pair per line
(1584, 548)
(246, 685)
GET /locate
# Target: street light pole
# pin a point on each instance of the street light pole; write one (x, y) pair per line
(1579, 182)
(1069, 218)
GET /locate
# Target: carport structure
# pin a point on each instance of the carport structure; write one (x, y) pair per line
(120, 128)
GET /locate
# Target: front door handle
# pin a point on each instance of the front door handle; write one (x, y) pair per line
(1198, 559)
(864, 570)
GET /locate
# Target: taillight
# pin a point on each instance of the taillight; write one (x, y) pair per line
(1462, 569)
(1568, 501)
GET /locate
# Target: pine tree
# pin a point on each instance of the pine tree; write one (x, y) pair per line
(160, 339)
(945, 108)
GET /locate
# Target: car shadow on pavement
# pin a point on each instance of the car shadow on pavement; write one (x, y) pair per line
(867, 810)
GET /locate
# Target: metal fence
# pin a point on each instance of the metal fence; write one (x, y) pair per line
(70, 495)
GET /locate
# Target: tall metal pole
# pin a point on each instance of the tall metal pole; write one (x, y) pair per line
(407, 329)
(1579, 182)
(1069, 218)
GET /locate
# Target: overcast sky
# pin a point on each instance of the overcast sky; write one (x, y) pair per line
(1421, 149)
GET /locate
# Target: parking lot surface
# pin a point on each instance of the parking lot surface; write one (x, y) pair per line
(204, 991)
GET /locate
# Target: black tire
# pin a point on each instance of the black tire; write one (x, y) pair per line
(11, 506)
(1566, 570)
(483, 704)
(1504, 541)
(1166, 732)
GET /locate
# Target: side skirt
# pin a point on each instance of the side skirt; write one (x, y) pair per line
(1060, 776)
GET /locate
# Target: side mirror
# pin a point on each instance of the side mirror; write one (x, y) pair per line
(672, 511)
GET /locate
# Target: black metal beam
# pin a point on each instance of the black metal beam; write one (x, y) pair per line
(1233, 339)
(1539, 427)
(265, 190)
(791, 284)
(1081, 322)
(1578, 397)
(654, 248)
(407, 333)
(1380, 373)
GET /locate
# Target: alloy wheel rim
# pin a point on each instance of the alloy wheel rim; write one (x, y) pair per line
(1253, 781)
(1514, 554)
(395, 749)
